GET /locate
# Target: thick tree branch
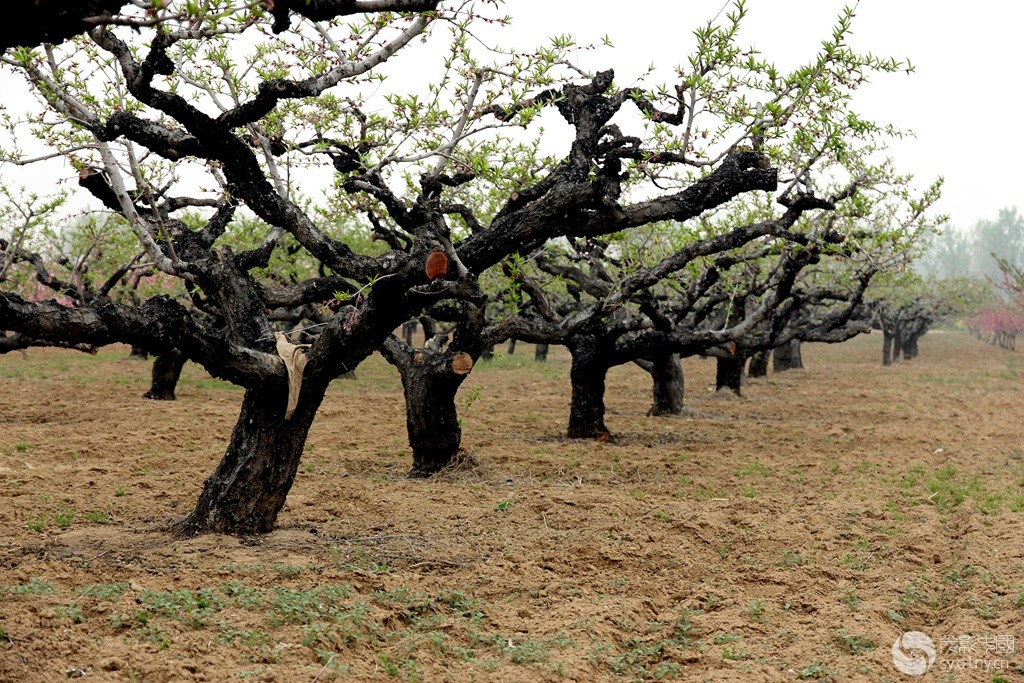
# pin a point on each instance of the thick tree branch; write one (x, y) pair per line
(158, 325)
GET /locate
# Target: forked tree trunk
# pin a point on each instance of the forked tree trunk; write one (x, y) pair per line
(540, 353)
(729, 374)
(589, 369)
(247, 490)
(758, 364)
(912, 333)
(430, 380)
(668, 387)
(910, 346)
(787, 357)
(164, 377)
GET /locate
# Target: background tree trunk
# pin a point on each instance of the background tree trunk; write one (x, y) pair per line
(511, 346)
(910, 347)
(586, 413)
(787, 357)
(138, 354)
(668, 387)
(758, 364)
(164, 378)
(540, 353)
(408, 330)
(886, 348)
(729, 374)
(912, 333)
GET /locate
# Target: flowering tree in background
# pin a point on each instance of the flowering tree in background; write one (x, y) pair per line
(1000, 322)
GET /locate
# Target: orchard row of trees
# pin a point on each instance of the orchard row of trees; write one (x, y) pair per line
(969, 276)
(258, 175)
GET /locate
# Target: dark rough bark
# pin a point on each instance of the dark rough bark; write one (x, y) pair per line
(20, 342)
(431, 416)
(540, 353)
(909, 348)
(668, 387)
(431, 377)
(589, 369)
(166, 372)
(758, 366)
(729, 374)
(247, 490)
(887, 348)
(787, 357)
(50, 21)
(53, 21)
(321, 10)
(488, 353)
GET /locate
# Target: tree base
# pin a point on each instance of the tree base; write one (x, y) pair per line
(462, 461)
(154, 396)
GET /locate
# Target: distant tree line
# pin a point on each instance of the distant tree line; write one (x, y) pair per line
(976, 251)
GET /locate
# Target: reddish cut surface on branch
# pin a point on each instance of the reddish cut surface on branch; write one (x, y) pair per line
(437, 265)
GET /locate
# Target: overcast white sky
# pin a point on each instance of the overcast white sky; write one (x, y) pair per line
(964, 102)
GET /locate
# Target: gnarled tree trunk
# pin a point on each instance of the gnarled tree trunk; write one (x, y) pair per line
(408, 330)
(247, 490)
(164, 378)
(589, 369)
(430, 380)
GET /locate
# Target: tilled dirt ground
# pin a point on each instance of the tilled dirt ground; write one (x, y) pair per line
(792, 534)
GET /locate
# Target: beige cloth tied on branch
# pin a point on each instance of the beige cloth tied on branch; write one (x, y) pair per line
(294, 357)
